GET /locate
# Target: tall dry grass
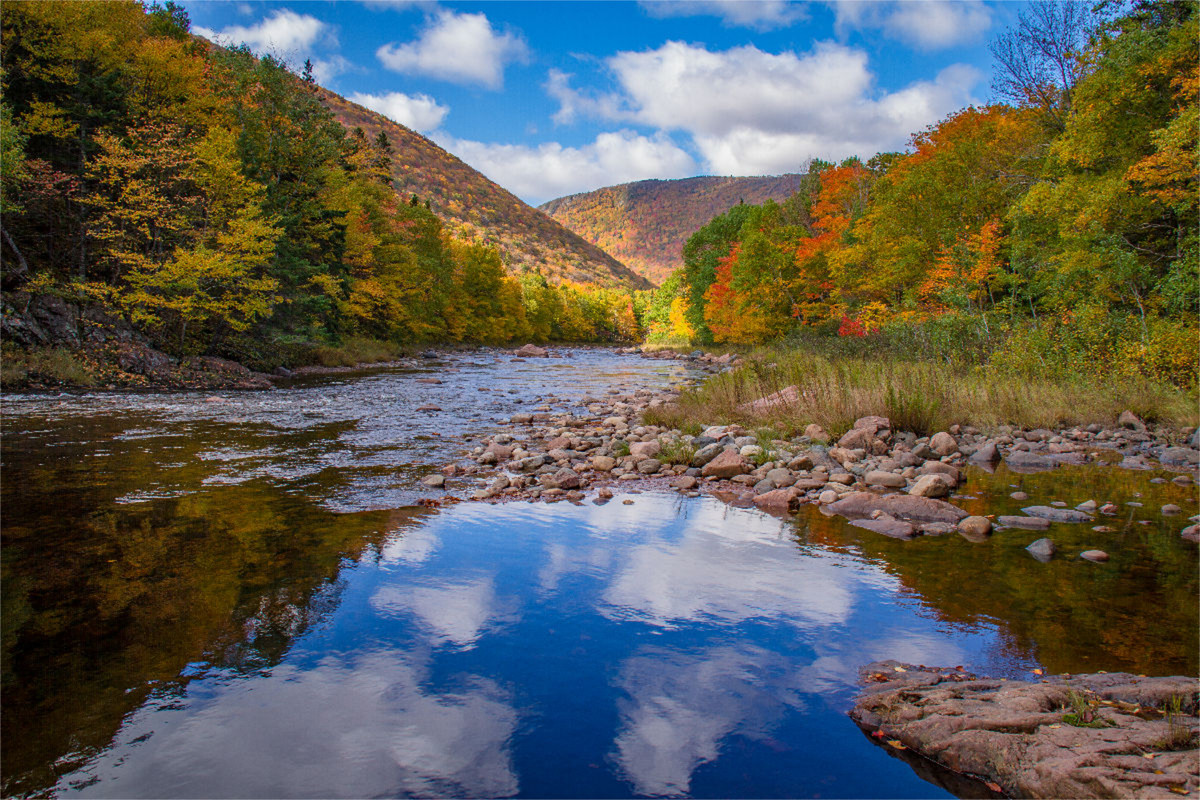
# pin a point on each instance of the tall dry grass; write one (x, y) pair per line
(918, 396)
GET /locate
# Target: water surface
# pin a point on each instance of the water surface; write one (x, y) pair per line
(220, 599)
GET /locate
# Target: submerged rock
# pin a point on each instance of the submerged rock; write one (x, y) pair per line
(1043, 550)
(1020, 735)
(857, 505)
(1057, 514)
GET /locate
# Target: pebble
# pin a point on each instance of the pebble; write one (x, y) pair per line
(1094, 555)
(1019, 496)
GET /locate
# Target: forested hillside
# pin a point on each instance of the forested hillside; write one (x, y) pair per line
(473, 206)
(210, 203)
(645, 224)
(1059, 232)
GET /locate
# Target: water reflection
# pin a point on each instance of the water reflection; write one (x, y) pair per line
(364, 726)
(678, 708)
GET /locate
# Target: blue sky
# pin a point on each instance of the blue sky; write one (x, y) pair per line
(551, 98)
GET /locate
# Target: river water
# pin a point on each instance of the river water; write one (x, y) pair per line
(233, 595)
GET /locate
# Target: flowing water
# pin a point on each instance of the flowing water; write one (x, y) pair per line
(232, 595)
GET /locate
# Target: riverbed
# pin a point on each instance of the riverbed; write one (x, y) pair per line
(216, 594)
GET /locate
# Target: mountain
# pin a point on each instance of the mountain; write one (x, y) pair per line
(645, 224)
(468, 202)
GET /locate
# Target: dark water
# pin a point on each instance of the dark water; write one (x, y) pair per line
(228, 599)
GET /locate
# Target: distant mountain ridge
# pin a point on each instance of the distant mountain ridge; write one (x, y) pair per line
(645, 224)
(470, 203)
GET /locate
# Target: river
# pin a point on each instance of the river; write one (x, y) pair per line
(233, 595)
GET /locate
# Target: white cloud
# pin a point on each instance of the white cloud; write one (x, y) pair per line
(537, 174)
(417, 111)
(927, 25)
(754, 112)
(460, 48)
(761, 15)
(283, 33)
(326, 69)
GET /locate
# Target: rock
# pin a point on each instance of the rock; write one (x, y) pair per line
(520, 419)
(1019, 496)
(974, 528)
(801, 462)
(816, 433)
(707, 453)
(1094, 555)
(857, 438)
(429, 407)
(1042, 549)
(873, 424)
(1131, 421)
(499, 484)
(566, 478)
(880, 478)
(781, 477)
(530, 463)
(1013, 734)
(1170, 509)
(725, 465)
(645, 449)
(987, 453)
(930, 486)
(920, 509)
(685, 482)
(1057, 514)
(1087, 507)
(603, 463)
(888, 526)
(781, 399)
(1191, 533)
(649, 466)
(777, 500)
(1180, 455)
(750, 451)
(1027, 523)
(502, 452)
(1019, 461)
(830, 496)
(948, 471)
(532, 351)
(431, 381)
(434, 481)
(943, 444)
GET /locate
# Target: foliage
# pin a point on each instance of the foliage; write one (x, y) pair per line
(217, 202)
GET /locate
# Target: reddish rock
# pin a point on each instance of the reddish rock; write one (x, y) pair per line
(777, 500)
(1017, 734)
(897, 529)
(919, 509)
(727, 464)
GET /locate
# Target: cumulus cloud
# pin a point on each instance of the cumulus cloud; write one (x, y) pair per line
(537, 174)
(754, 112)
(417, 111)
(927, 25)
(460, 48)
(282, 33)
(326, 69)
(761, 15)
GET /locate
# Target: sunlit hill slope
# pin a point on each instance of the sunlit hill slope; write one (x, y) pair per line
(470, 203)
(645, 224)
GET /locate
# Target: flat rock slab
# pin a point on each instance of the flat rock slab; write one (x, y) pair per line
(1028, 523)
(897, 529)
(1020, 461)
(1013, 733)
(1057, 514)
(857, 505)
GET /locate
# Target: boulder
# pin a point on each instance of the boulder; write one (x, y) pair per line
(434, 481)
(685, 482)
(777, 500)
(707, 453)
(1020, 461)
(857, 505)
(649, 466)
(566, 478)
(816, 433)
(1043, 549)
(943, 444)
(1191, 533)
(1026, 523)
(1057, 514)
(645, 449)
(951, 473)
(1180, 455)
(930, 486)
(532, 351)
(975, 526)
(725, 465)
(857, 438)
(603, 463)
(1131, 421)
(873, 423)
(987, 453)
(880, 478)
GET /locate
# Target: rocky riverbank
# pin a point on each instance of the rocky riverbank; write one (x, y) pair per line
(1102, 735)
(894, 483)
